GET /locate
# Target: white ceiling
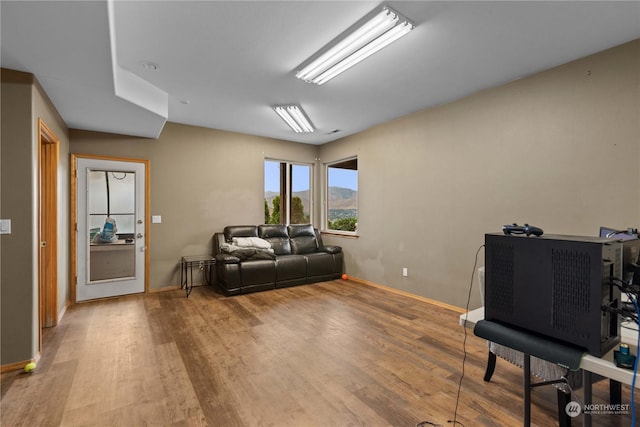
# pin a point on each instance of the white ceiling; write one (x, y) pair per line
(233, 60)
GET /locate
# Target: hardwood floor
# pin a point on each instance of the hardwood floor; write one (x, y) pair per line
(329, 354)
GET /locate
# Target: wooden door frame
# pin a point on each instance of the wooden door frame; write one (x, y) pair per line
(74, 219)
(48, 158)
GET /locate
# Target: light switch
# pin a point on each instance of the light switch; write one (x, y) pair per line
(156, 219)
(5, 226)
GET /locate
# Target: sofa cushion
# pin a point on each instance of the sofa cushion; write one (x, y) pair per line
(277, 235)
(268, 231)
(291, 267)
(303, 239)
(232, 231)
(320, 264)
(258, 272)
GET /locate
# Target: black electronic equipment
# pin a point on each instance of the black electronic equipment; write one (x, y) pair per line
(556, 286)
(630, 254)
(631, 263)
(629, 233)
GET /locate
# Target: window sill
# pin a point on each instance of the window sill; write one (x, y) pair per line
(333, 233)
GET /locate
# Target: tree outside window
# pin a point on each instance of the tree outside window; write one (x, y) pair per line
(287, 195)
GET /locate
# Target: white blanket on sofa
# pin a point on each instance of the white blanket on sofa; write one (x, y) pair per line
(251, 242)
(231, 249)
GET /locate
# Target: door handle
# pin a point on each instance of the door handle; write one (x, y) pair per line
(139, 235)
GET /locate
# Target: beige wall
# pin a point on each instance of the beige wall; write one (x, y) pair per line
(23, 102)
(201, 180)
(17, 269)
(560, 149)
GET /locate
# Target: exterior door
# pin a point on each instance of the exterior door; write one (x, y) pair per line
(111, 217)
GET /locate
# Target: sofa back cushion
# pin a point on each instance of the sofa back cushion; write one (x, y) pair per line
(232, 231)
(303, 239)
(277, 235)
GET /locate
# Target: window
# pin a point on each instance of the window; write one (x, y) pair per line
(112, 194)
(342, 196)
(287, 192)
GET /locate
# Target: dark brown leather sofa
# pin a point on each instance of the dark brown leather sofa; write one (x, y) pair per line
(298, 257)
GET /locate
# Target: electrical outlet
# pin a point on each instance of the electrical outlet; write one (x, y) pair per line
(405, 272)
(5, 226)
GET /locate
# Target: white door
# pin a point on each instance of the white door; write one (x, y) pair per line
(110, 211)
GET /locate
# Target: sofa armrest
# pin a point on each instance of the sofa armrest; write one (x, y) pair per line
(330, 249)
(227, 259)
(218, 240)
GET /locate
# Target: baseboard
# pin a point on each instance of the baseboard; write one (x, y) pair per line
(16, 366)
(163, 289)
(410, 295)
(62, 313)
(13, 366)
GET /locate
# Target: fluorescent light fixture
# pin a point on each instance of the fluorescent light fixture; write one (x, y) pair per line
(383, 28)
(294, 116)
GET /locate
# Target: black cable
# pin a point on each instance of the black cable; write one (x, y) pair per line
(106, 178)
(464, 356)
(628, 313)
(635, 370)
(628, 327)
(464, 341)
(623, 286)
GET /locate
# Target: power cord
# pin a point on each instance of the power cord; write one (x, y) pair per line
(454, 421)
(464, 341)
(635, 370)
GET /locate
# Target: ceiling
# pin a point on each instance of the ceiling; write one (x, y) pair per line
(222, 65)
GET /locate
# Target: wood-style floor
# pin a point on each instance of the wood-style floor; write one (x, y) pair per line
(329, 354)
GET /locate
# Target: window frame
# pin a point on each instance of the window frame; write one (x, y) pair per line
(286, 186)
(325, 214)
